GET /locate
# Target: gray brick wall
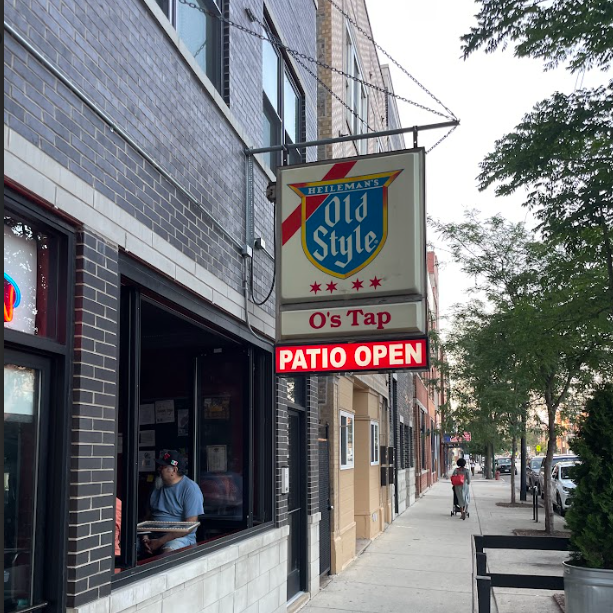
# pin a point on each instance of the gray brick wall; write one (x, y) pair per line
(92, 465)
(119, 55)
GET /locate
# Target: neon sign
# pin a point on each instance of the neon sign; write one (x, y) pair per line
(12, 297)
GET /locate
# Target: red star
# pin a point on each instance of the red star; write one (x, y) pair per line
(316, 287)
(375, 282)
(331, 287)
(358, 285)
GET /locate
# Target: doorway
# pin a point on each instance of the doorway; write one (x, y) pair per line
(296, 577)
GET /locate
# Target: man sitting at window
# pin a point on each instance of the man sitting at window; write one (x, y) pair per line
(175, 498)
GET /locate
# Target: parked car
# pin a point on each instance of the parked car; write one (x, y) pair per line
(562, 486)
(532, 471)
(503, 465)
(554, 461)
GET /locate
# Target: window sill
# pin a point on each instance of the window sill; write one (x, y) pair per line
(166, 561)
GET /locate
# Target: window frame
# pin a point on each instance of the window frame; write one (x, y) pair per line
(374, 443)
(59, 352)
(169, 9)
(348, 465)
(146, 284)
(275, 113)
(356, 96)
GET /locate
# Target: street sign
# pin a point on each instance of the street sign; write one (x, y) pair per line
(351, 259)
(538, 449)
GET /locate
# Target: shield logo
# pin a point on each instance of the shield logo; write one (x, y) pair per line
(344, 221)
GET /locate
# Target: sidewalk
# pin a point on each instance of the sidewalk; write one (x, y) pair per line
(423, 562)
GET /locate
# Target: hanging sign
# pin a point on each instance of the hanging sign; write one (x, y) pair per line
(351, 256)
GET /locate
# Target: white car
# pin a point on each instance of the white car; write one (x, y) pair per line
(562, 485)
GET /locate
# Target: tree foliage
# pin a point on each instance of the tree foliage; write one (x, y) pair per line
(562, 154)
(543, 331)
(577, 32)
(590, 517)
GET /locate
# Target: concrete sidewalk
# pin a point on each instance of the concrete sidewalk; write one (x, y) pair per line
(423, 562)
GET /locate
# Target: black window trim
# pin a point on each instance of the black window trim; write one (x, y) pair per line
(285, 66)
(220, 79)
(150, 283)
(60, 355)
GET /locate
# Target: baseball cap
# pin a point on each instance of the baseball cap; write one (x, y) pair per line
(170, 457)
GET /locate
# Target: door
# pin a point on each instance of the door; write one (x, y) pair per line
(26, 399)
(296, 505)
(324, 504)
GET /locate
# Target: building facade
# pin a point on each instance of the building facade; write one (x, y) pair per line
(359, 414)
(135, 310)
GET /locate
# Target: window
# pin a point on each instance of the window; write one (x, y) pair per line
(187, 386)
(355, 95)
(346, 440)
(374, 442)
(38, 264)
(31, 279)
(282, 103)
(200, 30)
(423, 440)
(403, 449)
(296, 390)
(411, 448)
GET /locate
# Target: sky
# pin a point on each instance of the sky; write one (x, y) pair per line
(489, 93)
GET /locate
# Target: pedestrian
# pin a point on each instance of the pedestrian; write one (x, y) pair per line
(461, 490)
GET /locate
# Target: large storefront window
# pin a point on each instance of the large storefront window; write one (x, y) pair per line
(187, 388)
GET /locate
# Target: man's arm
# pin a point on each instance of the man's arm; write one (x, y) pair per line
(152, 545)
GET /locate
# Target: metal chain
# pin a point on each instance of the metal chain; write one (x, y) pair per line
(391, 59)
(304, 56)
(440, 140)
(335, 95)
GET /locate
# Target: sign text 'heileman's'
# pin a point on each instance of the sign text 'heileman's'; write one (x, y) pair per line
(384, 355)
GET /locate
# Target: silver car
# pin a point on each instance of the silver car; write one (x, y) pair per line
(554, 461)
(562, 486)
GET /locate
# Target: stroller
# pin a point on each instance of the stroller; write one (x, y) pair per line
(455, 509)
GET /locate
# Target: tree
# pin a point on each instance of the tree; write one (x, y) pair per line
(590, 517)
(579, 33)
(562, 153)
(540, 336)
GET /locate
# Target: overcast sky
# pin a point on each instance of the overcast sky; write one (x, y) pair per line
(488, 93)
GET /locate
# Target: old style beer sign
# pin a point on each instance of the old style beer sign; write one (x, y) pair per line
(351, 256)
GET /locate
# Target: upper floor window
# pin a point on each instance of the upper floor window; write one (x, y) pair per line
(200, 29)
(355, 95)
(282, 102)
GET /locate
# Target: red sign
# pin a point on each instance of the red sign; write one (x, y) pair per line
(460, 438)
(384, 355)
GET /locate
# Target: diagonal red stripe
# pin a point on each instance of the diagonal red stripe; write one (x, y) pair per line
(292, 223)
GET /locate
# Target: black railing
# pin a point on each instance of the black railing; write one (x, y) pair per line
(486, 581)
(535, 503)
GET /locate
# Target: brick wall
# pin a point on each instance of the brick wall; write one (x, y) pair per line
(127, 59)
(92, 472)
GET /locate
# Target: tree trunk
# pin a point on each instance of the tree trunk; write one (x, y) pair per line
(513, 454)
(551, 446)
(523, 468)
(487, 469)
(608, 255)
